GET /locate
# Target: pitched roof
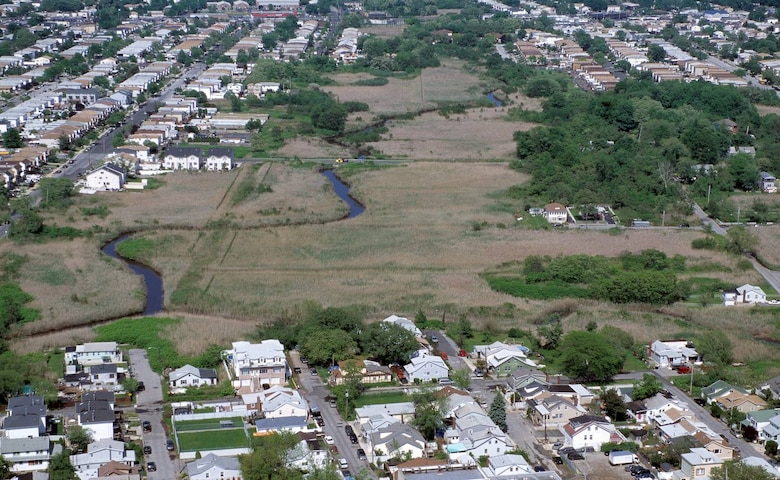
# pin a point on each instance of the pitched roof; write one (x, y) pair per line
(181, 152)
(190, 370)
(212, 461)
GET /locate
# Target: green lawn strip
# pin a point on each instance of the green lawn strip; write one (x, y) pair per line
(213, 440)
(380, 398)
(208, 424)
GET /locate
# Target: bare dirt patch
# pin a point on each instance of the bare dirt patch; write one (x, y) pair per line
(312, 148)
(766, 109)
(383, 31)
(480, 134)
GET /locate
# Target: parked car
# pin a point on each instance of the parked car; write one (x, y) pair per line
(313, 371)
(361, 454)
(444, 356)
(141, 387)
(434, 339)
(575, 456)
(147, 450)
(151, 467)
(297, 370)
(329, 440)
(147, 426)
(348, 430)
(343, 463)
(169, 444)
(683, 369)
(462, 353)
(353, 439)
(566, 450)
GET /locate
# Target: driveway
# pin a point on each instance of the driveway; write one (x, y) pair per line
(149, 405)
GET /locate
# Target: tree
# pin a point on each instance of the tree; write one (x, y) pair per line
(130, 384)
(5, 469)
(429, 412)
(329, 346)
(12, 139)
(743, 170)
(648, 387)
(590, 357)
(770, 448)
(742, 241)
(613, 405)
(387, 342)
(268, 460)
(462, 378)
(55, 192)
(740, 471)
(656, 53)
(78, 438)
(552, 334)
(60, 467)
(497, 411)
(25, 224)
(714, 346)
(102, 81)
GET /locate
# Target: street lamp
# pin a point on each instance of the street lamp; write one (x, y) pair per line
(346, 406)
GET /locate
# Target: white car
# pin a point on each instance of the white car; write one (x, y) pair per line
(329, 440)
(343, 463)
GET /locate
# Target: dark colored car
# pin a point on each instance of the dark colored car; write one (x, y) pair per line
(147, 450)
(313, 371)
(361, 454)
(147, 426)
(558, 460)
(151, 467)
(348, 429)
(297, 369)
(539, 468)
(353, 439)
(169, 444)
(141, 387)
(566, 450)
(575, 456)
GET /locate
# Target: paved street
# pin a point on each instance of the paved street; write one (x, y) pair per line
(703, 415)
(314, 391)
(149, 405)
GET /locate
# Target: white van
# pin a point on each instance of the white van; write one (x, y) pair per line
(446, 381)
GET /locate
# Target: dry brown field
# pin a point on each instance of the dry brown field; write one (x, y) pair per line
(769, 242)
(384, 31)
(766, 109)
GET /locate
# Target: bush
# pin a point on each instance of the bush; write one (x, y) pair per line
(707, 243)
(372, 82)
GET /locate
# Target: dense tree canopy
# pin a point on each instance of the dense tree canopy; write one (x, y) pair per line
(387, 342)
(588, 356)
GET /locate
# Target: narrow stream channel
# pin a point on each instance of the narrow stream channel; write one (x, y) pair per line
(153, 281)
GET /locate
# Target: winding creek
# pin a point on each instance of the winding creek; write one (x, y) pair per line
(153, 281)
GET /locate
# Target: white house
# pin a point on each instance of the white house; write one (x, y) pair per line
(395, 439)
(188, 376)
(106, 178)
(93, 354)
(279, 401)
(183, 158)
(99, 422)
(474, 434)
(23, 426)
(29, 454)
(219, 159)
(670, 353)
(255, 365)
(589, 431)
(699, 463)
(751, 294)
(503, 359)
(98, 454)
(555, 213)
(508, 465)
(384, 413)
(404, 322)
(103, 377)
(426, 368)
(213, 467)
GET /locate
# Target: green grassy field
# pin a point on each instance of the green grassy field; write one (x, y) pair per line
(380, 398)
(208, 424)
(213, 440)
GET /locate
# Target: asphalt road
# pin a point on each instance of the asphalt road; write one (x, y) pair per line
(149, 404)
(314, 391)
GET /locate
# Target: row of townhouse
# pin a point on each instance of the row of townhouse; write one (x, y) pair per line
(24, 442)
(82, 122)
(246, 44)
(15, 168)
(211, 84)
(139, 82)
(346, 49)
(193, 158)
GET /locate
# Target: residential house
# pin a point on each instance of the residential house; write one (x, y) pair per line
(770, 431)
(404, 322)
(767, 182)
(575, 392)
(741, 402)
(425, 368)
(670, 353)
(715, 444)
(268, 426)
(556, 213)
(183, 158)
(771, 389)
(745, 294)
(396, 439)
(526, 383)
(306, 455)
(279, 401)
(719, 389)
(699, 463)
(552, 410)
(103, 377)
(258, 365)
(219, 159)
(213, 467)
(25, 406)
(763, 463)
(118, 471)
(473, 434)
(502, 359)
(100, 453)
(97, 416)
(508, 465)
(28, 454)
(22, 426)
(657, 406)
(107, 177)
(368, 371)
(589, 431)
(760, 420)
(187, 376)
(92, 354)
(399, 412)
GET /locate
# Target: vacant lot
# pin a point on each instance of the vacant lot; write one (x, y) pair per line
(212, 440)
(769, 242)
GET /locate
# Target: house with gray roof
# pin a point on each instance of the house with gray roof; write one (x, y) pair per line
(290, 424)
(188, 376)
(280, 401)
(214, 467)
(23, 426)
(219, 159)
(396, 439)
(508, 465)
(100, 453)
(183, 158)
(29, 454)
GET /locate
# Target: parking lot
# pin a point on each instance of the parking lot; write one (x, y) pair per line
(596, 465)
